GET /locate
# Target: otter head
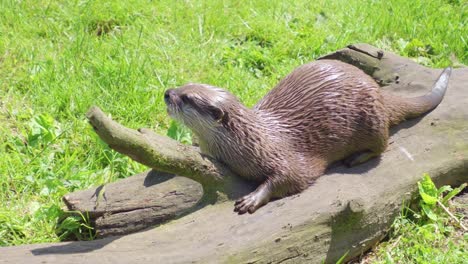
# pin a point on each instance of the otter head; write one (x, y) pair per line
(200, 107)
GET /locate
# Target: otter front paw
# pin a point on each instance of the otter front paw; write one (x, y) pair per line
(251, 202)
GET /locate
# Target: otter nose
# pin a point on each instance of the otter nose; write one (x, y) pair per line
(168, 94)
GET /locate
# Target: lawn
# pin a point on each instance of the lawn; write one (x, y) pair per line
(57, 58)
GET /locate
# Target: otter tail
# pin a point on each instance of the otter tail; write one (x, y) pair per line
(400, 109)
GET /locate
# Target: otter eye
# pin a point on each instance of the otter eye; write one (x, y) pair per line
(185, 98)
(218, 114)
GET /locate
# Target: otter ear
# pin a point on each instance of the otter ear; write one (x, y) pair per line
(219, 115)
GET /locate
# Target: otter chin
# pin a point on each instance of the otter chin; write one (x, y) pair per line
(322, 112)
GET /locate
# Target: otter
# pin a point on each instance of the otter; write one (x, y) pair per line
(322, 112)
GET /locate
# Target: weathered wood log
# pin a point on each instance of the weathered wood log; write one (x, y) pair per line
(135, 203)
(344, 212)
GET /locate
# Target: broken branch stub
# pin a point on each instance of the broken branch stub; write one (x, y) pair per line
(164, 154)
(132, 204)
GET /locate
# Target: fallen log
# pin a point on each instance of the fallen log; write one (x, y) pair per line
(344, 213)
(135, 203)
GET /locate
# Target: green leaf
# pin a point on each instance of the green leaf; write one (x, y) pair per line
(428, 211)
(452, 193)
(427, 199)
(427, 190)
(42, 130)
(45, 121)
(70, 223)
(180, 133)
(445, 188)
(172, 131)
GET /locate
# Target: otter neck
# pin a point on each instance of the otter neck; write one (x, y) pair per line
(241, 142)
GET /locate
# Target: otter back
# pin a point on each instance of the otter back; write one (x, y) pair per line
(322, 112)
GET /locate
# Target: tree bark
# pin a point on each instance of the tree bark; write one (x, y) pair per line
(344, 213)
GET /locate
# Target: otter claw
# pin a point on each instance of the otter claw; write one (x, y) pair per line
(246, 204)
(249, 203)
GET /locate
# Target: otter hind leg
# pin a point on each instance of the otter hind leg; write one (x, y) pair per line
(360, 158)
(377, 147)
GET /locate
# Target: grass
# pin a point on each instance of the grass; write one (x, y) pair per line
(57, 58)
(426, 233)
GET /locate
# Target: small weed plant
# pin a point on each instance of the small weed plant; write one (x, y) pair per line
(430, 234)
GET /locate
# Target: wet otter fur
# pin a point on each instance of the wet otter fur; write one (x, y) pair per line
(322, 112)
